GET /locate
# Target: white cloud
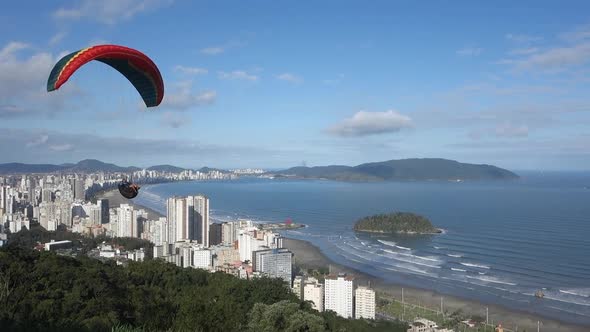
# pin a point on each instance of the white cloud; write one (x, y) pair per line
(579, 34)
(7, 111)
(334, 81)
(38, 141)
(237, 75)
(553, 59)
(191, 70)
(572, 49)
(365, 123)
(290, 78)
(524, 51)
(175, 120)
(470, 51)
(183, 97)
(214, 50)
(58, 37)
(511, 131)
(522, 38)
(23, 81)
(11, 48)
(61, 147)
(218, 49)
(109, 11)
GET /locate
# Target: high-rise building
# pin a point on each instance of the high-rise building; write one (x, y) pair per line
(199, 208)
(104, 210)
(339, 292)
(78, 188)
(229, 233)
(127, 221)
(46, 195)
(364, 301)
(313, 291)
(3, 196)
(215, 234)
(275, 263)
(64, 213)
(48, 215)
(188, 219)
(247, 244)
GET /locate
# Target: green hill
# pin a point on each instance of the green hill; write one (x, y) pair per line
(403, 169)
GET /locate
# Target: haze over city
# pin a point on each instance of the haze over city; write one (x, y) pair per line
(277, 85)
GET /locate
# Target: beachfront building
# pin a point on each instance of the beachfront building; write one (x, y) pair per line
(275, 263)
(364, 300)
(188, 219)
(339, 294)
(248, 243)
(313, 291)
(425, 325)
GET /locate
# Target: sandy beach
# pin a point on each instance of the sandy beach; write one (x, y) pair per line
(309, 256)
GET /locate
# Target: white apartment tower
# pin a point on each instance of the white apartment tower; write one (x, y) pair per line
(188, 219)
(339, 291)
(364, 303)
(313, 291)
(275, 263)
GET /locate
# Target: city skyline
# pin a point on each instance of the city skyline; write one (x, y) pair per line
(331, 83)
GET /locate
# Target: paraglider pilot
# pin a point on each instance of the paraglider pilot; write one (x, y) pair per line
(128, 190)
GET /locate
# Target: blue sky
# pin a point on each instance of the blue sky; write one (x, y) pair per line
(278, 84)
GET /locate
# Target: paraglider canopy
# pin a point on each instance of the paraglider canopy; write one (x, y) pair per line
(128, 190)
(134, 65)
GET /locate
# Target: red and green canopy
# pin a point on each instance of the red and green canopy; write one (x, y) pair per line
(134, 65)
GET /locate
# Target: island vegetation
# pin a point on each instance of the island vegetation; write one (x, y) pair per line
(397, 222)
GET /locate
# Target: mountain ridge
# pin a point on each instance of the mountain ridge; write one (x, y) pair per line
(403, 169)
(88, 166)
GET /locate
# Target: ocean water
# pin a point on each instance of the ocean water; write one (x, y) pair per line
(502, 241)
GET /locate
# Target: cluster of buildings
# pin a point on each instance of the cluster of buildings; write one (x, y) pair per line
(185, 237)
(185, 175)
(338, 293)
(60, 199)
(248, 171)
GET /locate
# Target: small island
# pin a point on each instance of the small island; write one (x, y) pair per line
(396, 223)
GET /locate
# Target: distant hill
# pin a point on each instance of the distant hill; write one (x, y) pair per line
(12, 168)
(166, 168)
(403, 169)
(87, 166)
(209, 169)
(93, 165)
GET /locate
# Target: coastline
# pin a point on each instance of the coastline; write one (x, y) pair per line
(307, 255)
